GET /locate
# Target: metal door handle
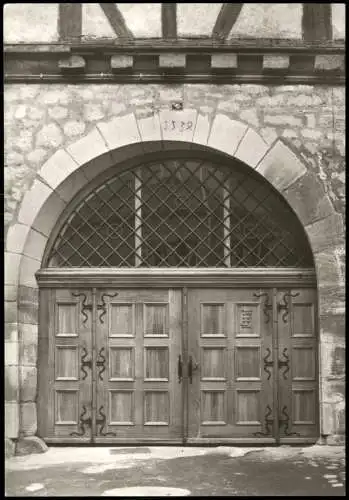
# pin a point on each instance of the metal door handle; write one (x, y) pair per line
(192, 365)
(180, 369)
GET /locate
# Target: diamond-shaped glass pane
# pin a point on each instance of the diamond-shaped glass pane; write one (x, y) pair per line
(182, 213)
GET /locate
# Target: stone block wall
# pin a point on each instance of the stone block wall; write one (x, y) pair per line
(41, 120)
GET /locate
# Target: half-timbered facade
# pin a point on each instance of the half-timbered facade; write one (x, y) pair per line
(174, 223)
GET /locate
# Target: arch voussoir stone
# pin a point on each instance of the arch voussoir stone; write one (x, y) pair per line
(252, 148)
(226, 134)
(280, 166)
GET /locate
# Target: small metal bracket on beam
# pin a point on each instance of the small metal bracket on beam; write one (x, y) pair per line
(72, 64)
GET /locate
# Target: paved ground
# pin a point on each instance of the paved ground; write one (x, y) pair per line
(167, 471)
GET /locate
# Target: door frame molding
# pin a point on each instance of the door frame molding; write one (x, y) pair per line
(175, 277)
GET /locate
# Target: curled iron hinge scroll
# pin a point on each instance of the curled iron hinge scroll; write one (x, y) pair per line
(85, 307)
(285, 421)
(267, 306)
(284, 363)
(102, 421)
(268, 423)
(285, 305)
(83, 422)
(268, 363)
(85, 363)
(101, 363)
(103, 305)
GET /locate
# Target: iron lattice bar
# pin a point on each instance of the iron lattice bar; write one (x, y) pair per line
(182, 213)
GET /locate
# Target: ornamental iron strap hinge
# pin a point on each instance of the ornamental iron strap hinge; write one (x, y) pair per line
(101, 363)
(102, 421)
(268, 363)
(88, 307)
(268, 421)
(284, 363)
(285, 421)
(285, 305)
(83, 422)
(85, 363)
(267, 306)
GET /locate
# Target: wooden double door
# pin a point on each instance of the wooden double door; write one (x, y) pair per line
(179, 365)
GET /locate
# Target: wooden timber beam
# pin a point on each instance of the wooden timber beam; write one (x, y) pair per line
(226, 19)
(69, 21)
(317, 21)
(169, 20)
(116, 20)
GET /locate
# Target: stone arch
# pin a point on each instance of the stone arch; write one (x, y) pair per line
(71, 168)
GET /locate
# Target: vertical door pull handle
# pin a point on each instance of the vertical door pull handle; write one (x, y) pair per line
(190, 369)
(180, 369)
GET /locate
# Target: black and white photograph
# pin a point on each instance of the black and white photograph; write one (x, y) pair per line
(174, 233)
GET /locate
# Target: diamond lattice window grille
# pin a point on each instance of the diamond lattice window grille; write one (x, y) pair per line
(182, 213)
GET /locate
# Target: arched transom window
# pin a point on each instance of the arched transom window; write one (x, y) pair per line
(181, 212)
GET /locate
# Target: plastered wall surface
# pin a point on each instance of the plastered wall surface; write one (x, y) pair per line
(38, 22)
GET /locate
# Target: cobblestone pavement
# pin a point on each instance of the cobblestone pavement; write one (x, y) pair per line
(178, 471)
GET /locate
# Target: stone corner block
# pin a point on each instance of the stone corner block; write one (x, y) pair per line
(119, 61)
(221, 61)
(171, 60)
(280, 166)
(251, 149)
(226, 134)
(336, 440)
(16, 238)
(11, 268)
(30, 445)
(273, 61)
(29, 267)
(88, 147)
(9, 448)
(57, 168)
(326, 233)
(28, 419)
(11, 419)
(120, 131)
(329, 62)
(33, 201)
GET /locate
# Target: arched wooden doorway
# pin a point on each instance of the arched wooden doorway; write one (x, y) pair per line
(178, 304)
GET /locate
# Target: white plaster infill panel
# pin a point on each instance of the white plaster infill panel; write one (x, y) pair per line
(226, 134)
(281, 167)
(57, 168)
(251, 149)
(120, 131)
(178, 125)
(16, 237)
(202, 130)
(149, 128)
(32, 202)
(27, 272)
(87, 148)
